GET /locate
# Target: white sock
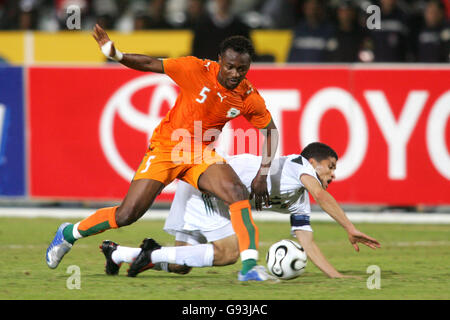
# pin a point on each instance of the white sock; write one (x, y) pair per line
(201, 255)
(75, 232)
(125, 254)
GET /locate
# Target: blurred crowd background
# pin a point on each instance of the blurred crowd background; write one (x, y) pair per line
(323, 31)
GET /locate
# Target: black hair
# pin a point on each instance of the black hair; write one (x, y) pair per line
(318, 151)
(239, 44)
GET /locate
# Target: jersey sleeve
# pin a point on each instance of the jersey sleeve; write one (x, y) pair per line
(309, 170)
(299, 166)
(256, 110)
(181, 70)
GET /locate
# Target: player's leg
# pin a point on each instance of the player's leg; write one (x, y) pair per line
(208, 221)
(193, 249)
(155, 171)
(225, 252)
(116, 254)
(223, 182)
(198, 254)
(109, 249)
(138, 200)
(185, 255)
(176, 268)
(182, 239)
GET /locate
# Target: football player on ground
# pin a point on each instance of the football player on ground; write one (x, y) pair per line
(200, 221)
(211, 94)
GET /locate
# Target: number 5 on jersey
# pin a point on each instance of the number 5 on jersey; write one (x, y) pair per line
(203, 95)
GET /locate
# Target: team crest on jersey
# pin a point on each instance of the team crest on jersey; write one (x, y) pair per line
(233, 113)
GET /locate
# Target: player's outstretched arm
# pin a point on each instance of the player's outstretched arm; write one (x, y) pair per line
(134, 61)
(330, 206)
(305, 238)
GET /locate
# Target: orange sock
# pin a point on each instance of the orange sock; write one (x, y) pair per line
(101, 220)
(245, 228)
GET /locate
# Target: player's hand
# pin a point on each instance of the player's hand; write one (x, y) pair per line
(356, 236)
(102, 38)
(259, 191)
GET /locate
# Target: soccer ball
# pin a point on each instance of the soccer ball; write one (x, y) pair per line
(286, 259)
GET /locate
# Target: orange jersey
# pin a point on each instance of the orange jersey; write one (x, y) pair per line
(204, 104)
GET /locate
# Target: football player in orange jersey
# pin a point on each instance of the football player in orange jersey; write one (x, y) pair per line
(211, 94)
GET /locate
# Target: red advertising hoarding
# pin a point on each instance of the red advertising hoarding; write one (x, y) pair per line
(89, 128)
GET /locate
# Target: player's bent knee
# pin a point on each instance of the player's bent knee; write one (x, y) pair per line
(238, 192)
(233, 256)
(225, 256)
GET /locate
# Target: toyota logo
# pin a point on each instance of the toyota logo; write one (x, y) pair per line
(120, 104)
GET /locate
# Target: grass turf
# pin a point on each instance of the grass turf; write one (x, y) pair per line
(414, 261)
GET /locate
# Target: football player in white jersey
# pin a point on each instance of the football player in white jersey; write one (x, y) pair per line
(203, 231)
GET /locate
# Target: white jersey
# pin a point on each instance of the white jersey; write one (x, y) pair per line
(192, 210)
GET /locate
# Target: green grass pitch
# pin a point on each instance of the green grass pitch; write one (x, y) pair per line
(414, 261)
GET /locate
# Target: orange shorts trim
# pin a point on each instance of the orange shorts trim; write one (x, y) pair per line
(165, 164)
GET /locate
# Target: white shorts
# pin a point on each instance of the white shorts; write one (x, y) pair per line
(198, 237)
(196, 218)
